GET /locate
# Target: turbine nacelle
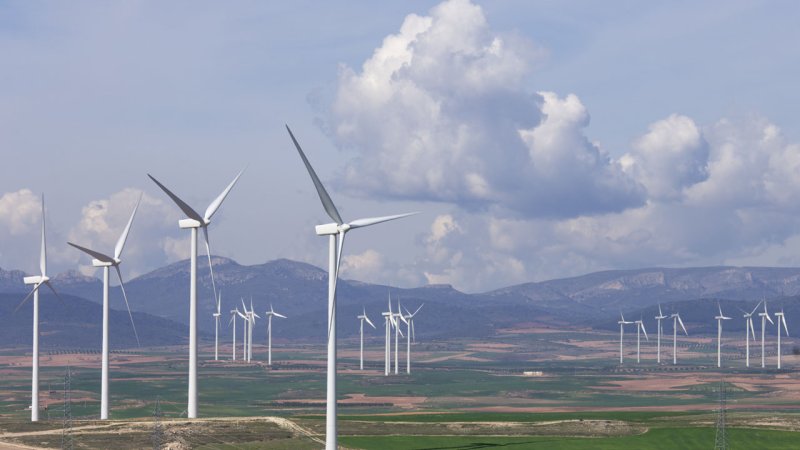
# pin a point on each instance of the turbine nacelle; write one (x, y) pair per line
(191, 223)
(36, 279)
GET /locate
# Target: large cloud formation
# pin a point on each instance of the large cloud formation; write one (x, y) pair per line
(441, 112)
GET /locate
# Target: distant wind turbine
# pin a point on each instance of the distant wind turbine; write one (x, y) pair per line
(269, 315)
(362, 318)
(105, 261)
(639, 327)
(659, 318)
(719, 319)
(388, 324)
(622, 322)
(397, 331)
(409, 335)
(37, 281)
(234, 314)
(193, 222)
(216, 325)
(336, 232)
(764, 318)
(781, 320)
(749, 330)
(676, 319)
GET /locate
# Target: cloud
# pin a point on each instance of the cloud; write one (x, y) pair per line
(441, 112)
(20, 211)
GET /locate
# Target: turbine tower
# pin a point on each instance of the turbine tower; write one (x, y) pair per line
(410, 335)
(37, 281)
(362, 318)
(234, 313)
(660, 330)
(336, 232)
(216, 325)
(781, 320)
(764, 318)
(749, 330)
(397, 332)
(622, 322)
(269, 315)
(719, 319)
(676, 319)
(105, 261)
(639, 327)
(193, 222)
(388, 324)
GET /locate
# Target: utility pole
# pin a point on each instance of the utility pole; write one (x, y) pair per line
(721, 439)
(158, 430)
(66, 434)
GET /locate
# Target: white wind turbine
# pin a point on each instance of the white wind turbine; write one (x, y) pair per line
(409, 335)
(362, 318)
(269, 315)
(389, 322)
(193, 222)
(749, 330)
(622, 322)
(764, 318)
(105, 261)
(781, 320)
(659, 318)
(397, 331)
(336, 232)
(639, 327)
(251, 323)
(676, 319)
(37, 281)
(216, 325)
(245, 325)
(234, 314)
(719, 319)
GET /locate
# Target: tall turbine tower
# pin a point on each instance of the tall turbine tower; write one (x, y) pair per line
(336, 232)
(269, 315)
(764, 318)
(397, 332)
(639, 327)
(362, 318)
(676, 319)
(659, 318)
(193, 222)
(719, 319)
(388, 324)
(234, 314)
(216, 325)
(37, 281)
(105, 261)
(749, 330)
(622, 322)
(409, 335)
(781, 320)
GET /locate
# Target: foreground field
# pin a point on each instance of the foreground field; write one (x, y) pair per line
(530, 388)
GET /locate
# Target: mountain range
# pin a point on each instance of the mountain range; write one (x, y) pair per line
(299, 290)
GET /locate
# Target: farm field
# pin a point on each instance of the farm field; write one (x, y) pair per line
(542, 389)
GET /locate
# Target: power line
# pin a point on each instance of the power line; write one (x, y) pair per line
(721, 439)
(157, 437)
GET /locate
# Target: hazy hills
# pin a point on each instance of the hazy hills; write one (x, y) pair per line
(299, 291)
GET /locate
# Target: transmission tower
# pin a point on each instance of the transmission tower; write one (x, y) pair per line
(721, 440)
(158, 429)
(66, 434)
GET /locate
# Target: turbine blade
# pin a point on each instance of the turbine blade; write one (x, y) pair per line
(752, 328)
(339, 248)
(757, 305)
(280, 315)
(233, 316)
(124, 236)
(127, 305)
(769, 318)
(43, 254)
(413, 334)
(214, 206)
(720, 308)
(27, 297)
(682, 326)
(644, 331)
(97, 255)
(358, 223)
(190, 213)
(400, 330)
(369, 321)
(219, 301)
(659, 310)
(327, 203)
(415, 312)
(783, 321)
(50, 286)
(211, 267)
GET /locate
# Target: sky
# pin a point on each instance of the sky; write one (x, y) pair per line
(537, 139)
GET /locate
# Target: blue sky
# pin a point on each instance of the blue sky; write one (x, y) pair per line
(539, 139)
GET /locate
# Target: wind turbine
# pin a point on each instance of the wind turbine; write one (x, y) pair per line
(659, 318)
(234, 313)
(639, 327)
(336, 232)
(764, 317)
(781, 320)
(105, 261)
(216, 325)
(193, 222)
(250, 317)
(676, 319)
(622, 322)
(37, 281)
(409, 334)
(362, 318)
(269, 315)
(388, 324)
(245, 325)
(397, 331)
(748, 327)
(719, 319)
